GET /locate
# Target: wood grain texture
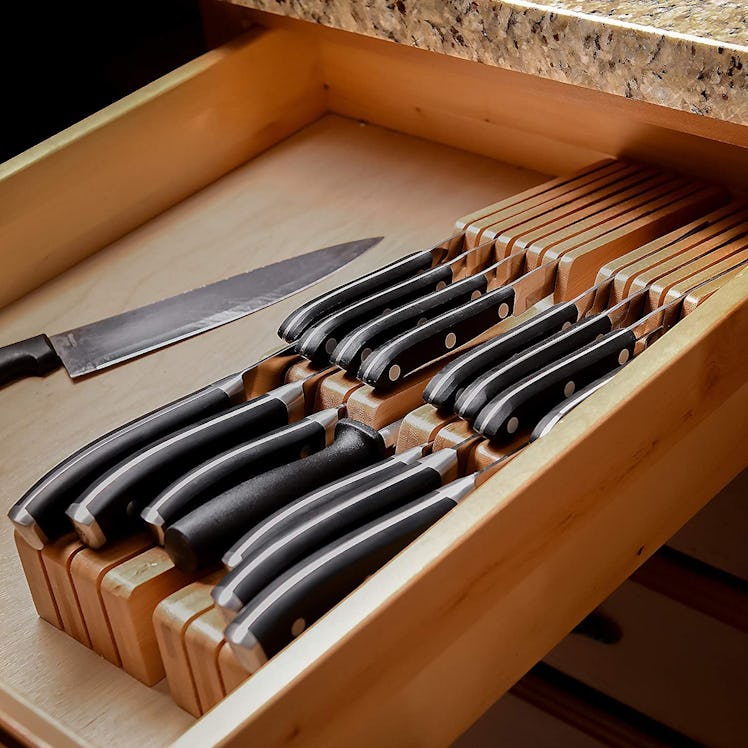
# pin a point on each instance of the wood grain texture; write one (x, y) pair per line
(203, 640)
(37, 581)
(334, 181)
(130, 592)
(87, 569)
(171, 618)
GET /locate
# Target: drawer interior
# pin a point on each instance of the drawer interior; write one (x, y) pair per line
(335, 179)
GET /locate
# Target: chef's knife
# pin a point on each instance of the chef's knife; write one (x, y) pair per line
(39, 515)
(90, 348)
(307, 530)
(201, 537)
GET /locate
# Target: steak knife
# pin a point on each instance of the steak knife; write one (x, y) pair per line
(98, 345)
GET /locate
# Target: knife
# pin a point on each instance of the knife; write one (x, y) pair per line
(310, 588)
(446, 386)
(292, 328)
(39, 515)
(487, 386)
(238, 464)
(321, 338)
(277, 523)
(202, 536)
(302, 532)
(96, 346)
(109, 506)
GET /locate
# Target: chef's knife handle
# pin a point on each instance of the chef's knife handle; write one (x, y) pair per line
(444, 389)
(522, 405)
(485, 387)
(307, 314)
(312, 587)
(40, 514)
(353, 349)
(309, 532)
(110, 506)
(321, 339)
(201, 537)
(395, 360)
(238, 464)
(33, 357)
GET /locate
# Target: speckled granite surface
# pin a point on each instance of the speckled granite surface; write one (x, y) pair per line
(690, 54)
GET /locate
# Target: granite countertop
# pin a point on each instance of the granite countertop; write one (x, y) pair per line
(690, 55)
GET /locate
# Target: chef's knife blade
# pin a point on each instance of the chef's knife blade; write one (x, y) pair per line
(98, 345)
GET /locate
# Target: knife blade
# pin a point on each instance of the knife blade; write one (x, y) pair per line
(98, 345)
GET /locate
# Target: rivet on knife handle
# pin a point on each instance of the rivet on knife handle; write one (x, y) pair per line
(308, 590)
(313, 529)
(395, 360)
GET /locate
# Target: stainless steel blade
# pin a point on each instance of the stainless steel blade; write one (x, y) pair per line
(111, 341)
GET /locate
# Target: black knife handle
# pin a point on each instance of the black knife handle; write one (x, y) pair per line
(40, 514)
(309, 589)
(559, 412)
(444, 389)
(293, 327)
(196, 486)
(200, 538)
(321, 339)
(301, 509)
(487, 386)
(522, 405)
(311, 532)
(352, 350)
(111, 505)
(409, 351)
(33, 357)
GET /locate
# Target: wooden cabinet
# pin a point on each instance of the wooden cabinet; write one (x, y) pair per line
(294, 138)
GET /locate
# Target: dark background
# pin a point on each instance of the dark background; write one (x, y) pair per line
(63, 61)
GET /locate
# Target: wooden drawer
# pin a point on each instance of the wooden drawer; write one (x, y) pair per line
(422, 648)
